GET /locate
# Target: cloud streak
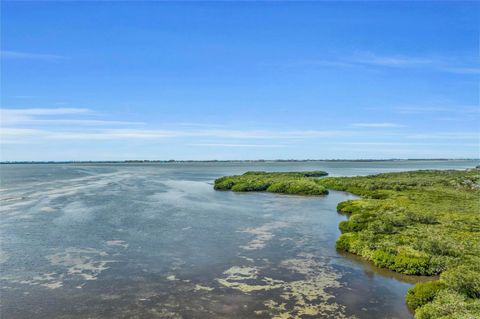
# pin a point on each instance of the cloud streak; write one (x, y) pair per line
(36, 124)
(378, 125)
(237, 145)
(36, 127)
(419, 109)
(446, 136)
(136, 134)
(370, 59)
(17, 55)
(37, 116)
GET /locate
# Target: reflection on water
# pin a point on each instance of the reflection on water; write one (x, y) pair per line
(156, 241)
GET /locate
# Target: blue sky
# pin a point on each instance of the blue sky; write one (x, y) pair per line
(239, 80)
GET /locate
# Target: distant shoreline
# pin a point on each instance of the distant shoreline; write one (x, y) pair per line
(240, 161)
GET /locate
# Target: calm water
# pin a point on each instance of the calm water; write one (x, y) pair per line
(156, 241)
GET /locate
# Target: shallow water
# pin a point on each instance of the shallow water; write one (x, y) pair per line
(156, 241)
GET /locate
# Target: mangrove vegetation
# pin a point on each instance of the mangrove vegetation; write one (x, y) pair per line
(294, 183)
(416, 223)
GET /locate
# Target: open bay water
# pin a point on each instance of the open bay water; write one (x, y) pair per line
(154, 240)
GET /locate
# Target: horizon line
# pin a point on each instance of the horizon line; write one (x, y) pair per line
(235, 160)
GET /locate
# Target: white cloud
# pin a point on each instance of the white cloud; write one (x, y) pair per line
(15, 116)
(441, 143)
(34, 124)
(389, 61)
(18, 135)
(47, 111)
(113, 134)
(378, 125)
(424, 109)
(370, 59)
(49, 116)
(6, 54)
(19, 131)
(462, 70)
(447, 136)
(237, 145)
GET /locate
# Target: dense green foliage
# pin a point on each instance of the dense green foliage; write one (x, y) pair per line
(449, 304)
(416, 223)
(423, 293)
(419, 223)
(299, 183)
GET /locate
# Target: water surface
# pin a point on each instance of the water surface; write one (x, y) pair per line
(156, 241)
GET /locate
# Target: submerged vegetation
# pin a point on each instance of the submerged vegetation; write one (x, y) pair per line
(415, 223)
(295, 183)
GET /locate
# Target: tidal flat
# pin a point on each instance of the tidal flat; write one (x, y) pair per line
(157, 241)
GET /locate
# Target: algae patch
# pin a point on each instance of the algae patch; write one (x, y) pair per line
(199, 287)
(296, 298)
(81, 262)
(262, 234)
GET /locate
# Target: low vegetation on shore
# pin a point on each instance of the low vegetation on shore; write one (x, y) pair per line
(416, 223)
(295, 183)
(419, 223)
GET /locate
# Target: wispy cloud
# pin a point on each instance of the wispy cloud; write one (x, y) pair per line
(396, 61)
(34, 127)
(65, 124)
(447, 136)
(425, 109)
(191, 124)
(462, 70)
(6, 54)
(378, 125)
(370, 59)
(18, 135)
(45, 111)
(50, 116)
(10, 117)
(113, 134)
(237, 145)
(441, 143)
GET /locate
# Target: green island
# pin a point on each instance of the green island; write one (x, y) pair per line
(295, 183)
(416, 223)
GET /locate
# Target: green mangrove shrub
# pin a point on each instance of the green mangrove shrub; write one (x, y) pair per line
(423, 293)
(419, 223)
(464, 279)
(448, 304)
(295, 183)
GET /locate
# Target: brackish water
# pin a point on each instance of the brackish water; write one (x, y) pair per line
(156, 241)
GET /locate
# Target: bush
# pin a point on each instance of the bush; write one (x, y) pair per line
(464, 279)
(315, 174)
(383, 259)
(449, 304)
(300, 187)
(423, 293)
(344, 226)
(412, 265)
(223, 183)
(301, 183)
(306, 187)
(345, 241)
(351, 207)
(358, 222)
(250, 186)
(381, 227)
